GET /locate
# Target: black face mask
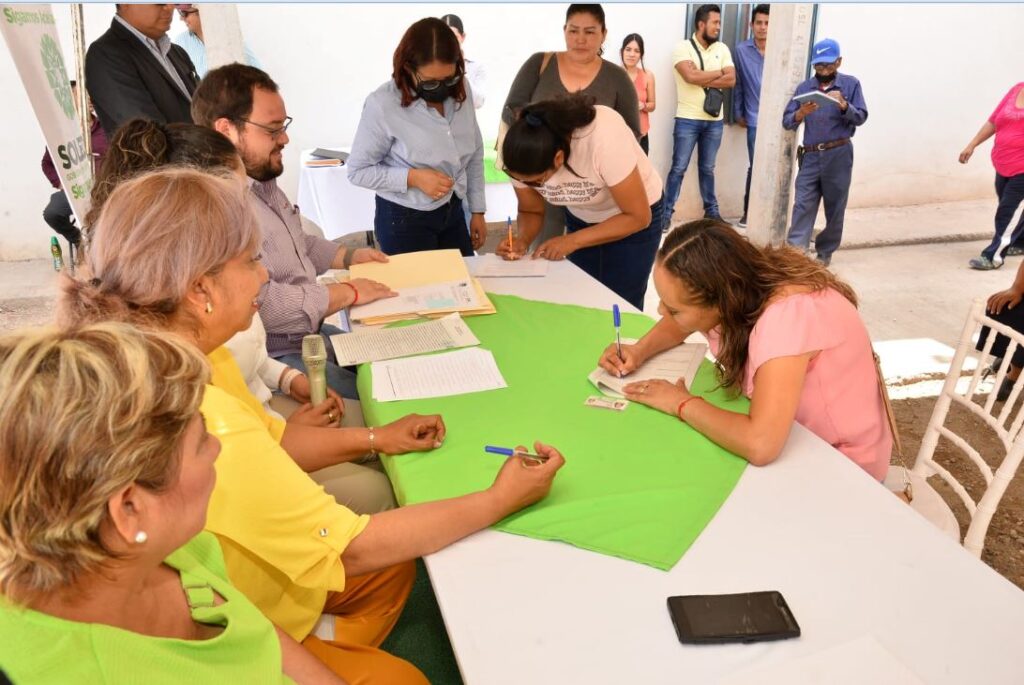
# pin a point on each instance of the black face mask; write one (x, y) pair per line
(439, 94)
(825, 78)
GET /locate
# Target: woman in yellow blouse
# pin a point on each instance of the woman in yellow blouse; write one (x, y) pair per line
(177, 250)
(105, 575)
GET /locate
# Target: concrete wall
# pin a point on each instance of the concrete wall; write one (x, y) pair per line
(927, 89)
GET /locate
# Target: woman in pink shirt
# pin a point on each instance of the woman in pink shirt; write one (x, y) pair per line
(786, 333)
(1007, 125)
(632, 57)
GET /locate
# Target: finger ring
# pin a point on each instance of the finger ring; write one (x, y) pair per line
(330, 416)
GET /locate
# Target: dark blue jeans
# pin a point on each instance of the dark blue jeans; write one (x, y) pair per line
(1010, 191)
(751, 138)
(401, 229)
(623, 266)
(706, 136)
(823, 176)
(340, 379)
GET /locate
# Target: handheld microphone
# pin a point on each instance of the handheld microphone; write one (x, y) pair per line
(314, 356)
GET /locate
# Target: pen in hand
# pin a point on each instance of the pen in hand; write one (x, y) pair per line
(509, 452)
(617, 320)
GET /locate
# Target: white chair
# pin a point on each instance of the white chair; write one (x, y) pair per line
(1006, 424)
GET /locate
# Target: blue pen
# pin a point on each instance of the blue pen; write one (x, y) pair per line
(508, 452)
(617, 319)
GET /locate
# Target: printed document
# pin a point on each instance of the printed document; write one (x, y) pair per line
(671, 365)
(376, 344)
(493, 266)
(438, 375)
(424, 298)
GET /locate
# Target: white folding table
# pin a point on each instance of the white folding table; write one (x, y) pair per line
(852, 561)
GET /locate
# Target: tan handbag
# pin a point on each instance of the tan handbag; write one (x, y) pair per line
(499, 163)
(906, 493)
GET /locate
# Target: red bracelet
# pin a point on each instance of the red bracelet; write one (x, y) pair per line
(679, 409)
(354, 292)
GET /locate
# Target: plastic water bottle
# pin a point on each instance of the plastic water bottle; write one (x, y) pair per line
(58, 256)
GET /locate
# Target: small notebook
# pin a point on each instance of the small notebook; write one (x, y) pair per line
(324, 153)
(671, 365)
(817, 97)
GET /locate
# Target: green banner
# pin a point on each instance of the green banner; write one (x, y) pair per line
(637, 484)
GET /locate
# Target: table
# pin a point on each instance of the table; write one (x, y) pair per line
(850, 558)
(328, 198)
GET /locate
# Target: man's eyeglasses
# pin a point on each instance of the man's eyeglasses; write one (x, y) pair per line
(434, 84)
(274, 132)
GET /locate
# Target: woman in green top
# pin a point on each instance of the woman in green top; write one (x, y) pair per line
(106, 469)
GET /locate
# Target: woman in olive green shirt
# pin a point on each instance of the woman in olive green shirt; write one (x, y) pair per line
(106, 470)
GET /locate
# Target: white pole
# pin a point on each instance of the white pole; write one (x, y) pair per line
(78, 43)
(222, 34)
(785, 66)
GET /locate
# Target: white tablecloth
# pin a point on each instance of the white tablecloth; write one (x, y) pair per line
(853, 562)
(340, 208)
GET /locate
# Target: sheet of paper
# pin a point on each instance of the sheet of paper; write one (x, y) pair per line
(671, 365)
(493, 266)
(485, 307)
(863, 660)
(438, 375)
(424, 298)
(376, 344)
(415, 269)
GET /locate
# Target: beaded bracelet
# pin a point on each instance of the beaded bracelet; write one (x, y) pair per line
(679, 409)
(373, 450)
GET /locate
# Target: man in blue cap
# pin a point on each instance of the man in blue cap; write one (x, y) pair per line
(826, 157)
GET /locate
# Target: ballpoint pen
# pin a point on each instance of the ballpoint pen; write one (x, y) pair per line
(509, 225)
(617, 320)
(509, 452)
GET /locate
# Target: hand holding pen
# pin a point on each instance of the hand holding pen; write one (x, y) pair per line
(508, 247)
(525, 477)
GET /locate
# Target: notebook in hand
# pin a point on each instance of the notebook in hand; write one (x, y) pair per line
(671, 365)
(817, 97)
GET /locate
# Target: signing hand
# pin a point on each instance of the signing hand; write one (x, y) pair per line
(368, 254)
(412, 433)
(630, 362)
(658, 394)
(370, 291)
(556, 248)
(838, 97)
(805, 109)
(431, 183)
(966, 154)
(521, 482)
(516, 251)
(327, 413)
(1003, 299)
(477, 230)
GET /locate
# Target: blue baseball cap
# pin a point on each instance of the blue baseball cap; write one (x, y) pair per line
(825, 52)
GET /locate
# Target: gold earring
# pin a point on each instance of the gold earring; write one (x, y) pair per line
(209, 307)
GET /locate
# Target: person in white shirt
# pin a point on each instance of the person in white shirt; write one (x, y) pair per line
(475, 73)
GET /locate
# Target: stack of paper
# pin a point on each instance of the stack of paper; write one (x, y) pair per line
(376, 344)
(431, 284)
(439, 375)
(671, 365)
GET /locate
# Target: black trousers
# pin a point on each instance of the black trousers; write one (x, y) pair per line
(60, 218)
(1014, 318)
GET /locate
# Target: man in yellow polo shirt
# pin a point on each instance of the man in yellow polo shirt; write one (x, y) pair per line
(703, 68)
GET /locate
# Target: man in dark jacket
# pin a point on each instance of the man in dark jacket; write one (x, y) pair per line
(133, 70)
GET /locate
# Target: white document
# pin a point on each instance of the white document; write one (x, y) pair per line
(863, 660)
(818, 98)
(424, 298)
(493, 266)
(376, 344)
(671, 365)
(439, 375)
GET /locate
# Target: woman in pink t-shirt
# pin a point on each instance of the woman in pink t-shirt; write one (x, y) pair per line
(786, 333)
(632, 57)
(1007, 125)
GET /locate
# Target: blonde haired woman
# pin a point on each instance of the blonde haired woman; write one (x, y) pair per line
(176, 250)
(105, 575)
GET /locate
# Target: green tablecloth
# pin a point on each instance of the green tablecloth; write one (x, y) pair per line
(637, 484)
